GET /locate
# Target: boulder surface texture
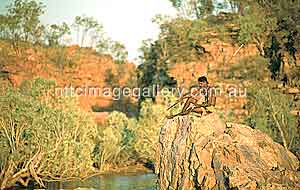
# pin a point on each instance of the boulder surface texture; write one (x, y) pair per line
(208, 154)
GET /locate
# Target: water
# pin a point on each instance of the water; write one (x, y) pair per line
(110, 182)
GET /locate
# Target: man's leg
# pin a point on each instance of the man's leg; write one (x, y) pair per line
(202, 110)
(185, 110)
(187, 104)
(198, 110)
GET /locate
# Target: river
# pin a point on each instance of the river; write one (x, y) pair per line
(109, 182)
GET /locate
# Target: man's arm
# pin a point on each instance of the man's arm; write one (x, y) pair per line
(211, 100)
(190, 93)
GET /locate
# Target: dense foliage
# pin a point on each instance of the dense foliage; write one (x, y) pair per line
(43, 137)
(270, 112)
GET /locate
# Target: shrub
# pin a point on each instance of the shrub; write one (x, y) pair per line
(60, 58)
(294, 78)
(250, 68)
(122, 140)
(270, 112)
(148, 128)
(112, 145)
(42, 136)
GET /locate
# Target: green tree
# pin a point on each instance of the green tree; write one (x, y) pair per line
(96, 35)
(55, 32)
(119, 52)
(43, 137)
(206, 8)
(284, 38)
(113, 145)
(153, 70)
(194, 8)
(116, 49)
(238, 5)
(254, 30)
(21, 22)
(179, 40)
(84, 25)
(147, 130)
(274, 52)
(151, 118)
(270, 112)
(253, 68)
(3, 29)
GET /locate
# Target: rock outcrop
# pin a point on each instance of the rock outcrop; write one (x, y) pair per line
(207, 153)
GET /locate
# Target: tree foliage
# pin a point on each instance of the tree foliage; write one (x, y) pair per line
(83, 25)
(194, 8)
(147, 130)
(250, 68)
(253, 30)
(153, 72)
(284, 39)
(179, 40)
(43, 137)
(270, 112)
(56, 32)
(275, 29)
(113, 142)
(116, 49)
(21, 22)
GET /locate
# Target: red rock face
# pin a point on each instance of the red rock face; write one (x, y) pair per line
(207, 153)
(219, 57)
(88, 70)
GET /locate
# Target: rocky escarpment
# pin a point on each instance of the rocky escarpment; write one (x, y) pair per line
(206, 153)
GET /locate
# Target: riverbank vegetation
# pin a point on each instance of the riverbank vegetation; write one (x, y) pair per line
(45, 137)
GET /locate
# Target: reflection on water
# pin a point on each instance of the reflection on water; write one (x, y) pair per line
(110, 182)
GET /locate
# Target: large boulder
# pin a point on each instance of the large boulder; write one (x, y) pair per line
(207, 153)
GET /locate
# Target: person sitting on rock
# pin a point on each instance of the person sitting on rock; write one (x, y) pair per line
(199, 100)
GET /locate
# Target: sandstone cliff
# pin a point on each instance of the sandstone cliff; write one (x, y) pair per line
(207, 153)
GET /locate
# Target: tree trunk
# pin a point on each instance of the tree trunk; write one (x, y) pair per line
(277, 123)
(82, 37)
(260, 47)
(241, 9)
